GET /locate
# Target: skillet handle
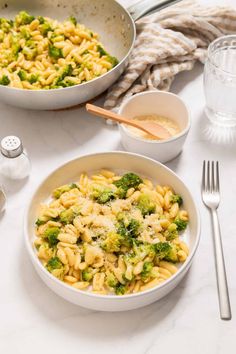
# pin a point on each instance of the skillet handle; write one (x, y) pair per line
(145, 7)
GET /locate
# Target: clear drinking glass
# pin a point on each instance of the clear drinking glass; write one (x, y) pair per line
(220, 81)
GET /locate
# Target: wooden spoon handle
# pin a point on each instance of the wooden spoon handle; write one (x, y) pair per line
(98, 111)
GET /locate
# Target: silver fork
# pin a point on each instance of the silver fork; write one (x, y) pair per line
(211, 198)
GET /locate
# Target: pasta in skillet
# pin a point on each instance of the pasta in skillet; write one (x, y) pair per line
(112, 234)
(42, 53)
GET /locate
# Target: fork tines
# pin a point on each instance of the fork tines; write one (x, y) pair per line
(210, 176)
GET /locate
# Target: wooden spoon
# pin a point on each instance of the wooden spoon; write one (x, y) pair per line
(151, 128)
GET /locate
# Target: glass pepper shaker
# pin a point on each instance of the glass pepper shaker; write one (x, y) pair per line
(14, 161)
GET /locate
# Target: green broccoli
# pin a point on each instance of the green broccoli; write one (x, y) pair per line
(140, 251)
(33, 78)
(172, 255)
(145, 205)
(63, 189)
(128, 231)
(25, 33)
(5, 25)
(112, 242)
(54, 263)
(101, 50)
(111, 280)
(66, 71)
(51, 234)
(54, 52)
(15, 48)
(146, 272)
(120, 289)
(67, 216)
(39, 222)
(22, 75)
(176, 198)
(181, 224)
(162, 249)
(102, 194)
(129, 180)
(166, 251)
(29, 53)
(5, 80)
(45, 28)
(73, 20)
(41, 19)
(87, 275)
(113, 60)
(172, 232)
(23, 18)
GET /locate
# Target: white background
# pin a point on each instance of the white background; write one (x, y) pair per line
(35, 320)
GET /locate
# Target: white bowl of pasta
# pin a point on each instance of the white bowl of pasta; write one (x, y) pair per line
(118, 237)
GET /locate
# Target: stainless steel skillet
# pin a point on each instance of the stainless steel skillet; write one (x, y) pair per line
(108, 18)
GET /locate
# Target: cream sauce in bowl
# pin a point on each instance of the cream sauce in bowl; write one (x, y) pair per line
(165, 122)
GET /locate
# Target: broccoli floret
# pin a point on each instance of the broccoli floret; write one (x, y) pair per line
(140, 251)
(15, 48)
(162, 249)
(129, 180)
(23, 18)
(171, 233)
(29, 53)
(102, 194)
(63, 189)
(73, 20)
(176, 198)
(22, 75)
(54, 52)
(111, 280)
(120, 289)
(5, 25)
(145, 205)
(67, 216)
(112, 243)
(66, 71)
(85, 52)
(181, 224)
(54, 263)
(39, 222)
(128, 231)
(41, 19)
(101, 50)
(5, 80)
(25, 33)
(45, 28)
(172, 255)
(146, 272)
(113, 60)
(51, 234)
(33, 78)
(87, 275)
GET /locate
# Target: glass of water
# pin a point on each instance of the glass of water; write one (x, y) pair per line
(220, 81)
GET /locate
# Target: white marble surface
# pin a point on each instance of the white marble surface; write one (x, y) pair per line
(35, 320)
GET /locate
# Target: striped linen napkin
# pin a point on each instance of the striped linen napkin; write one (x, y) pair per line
(168, 42)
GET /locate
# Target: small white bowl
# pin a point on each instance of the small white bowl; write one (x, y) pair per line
(161, 103)
(117, 161)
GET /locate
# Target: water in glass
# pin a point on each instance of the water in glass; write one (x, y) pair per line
(220, 81)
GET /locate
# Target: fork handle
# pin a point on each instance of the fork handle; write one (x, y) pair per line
(223, 293)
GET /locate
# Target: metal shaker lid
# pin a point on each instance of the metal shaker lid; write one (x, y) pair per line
(11, 146)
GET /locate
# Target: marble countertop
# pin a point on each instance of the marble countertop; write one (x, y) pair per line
(35, 320)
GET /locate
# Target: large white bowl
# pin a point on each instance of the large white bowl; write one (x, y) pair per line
(119, 161)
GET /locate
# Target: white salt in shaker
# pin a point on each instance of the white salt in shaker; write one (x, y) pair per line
(14, 161)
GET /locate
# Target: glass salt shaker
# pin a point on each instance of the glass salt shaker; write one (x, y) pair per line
(14, 161)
